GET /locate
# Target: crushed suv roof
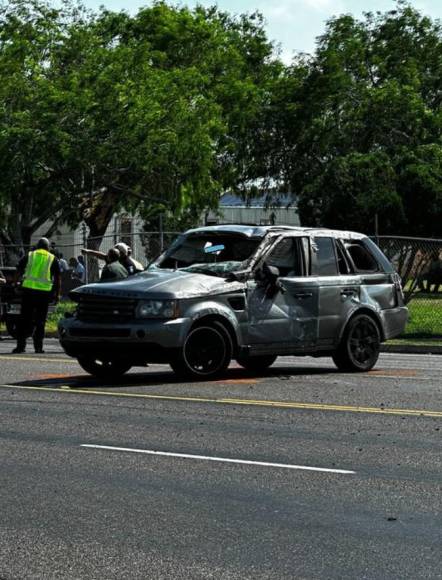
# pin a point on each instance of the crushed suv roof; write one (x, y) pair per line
(260, 231)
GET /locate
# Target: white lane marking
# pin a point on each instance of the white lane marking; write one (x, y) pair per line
(222, 459)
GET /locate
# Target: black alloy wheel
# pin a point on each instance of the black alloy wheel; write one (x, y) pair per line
(104, 369)
(360, 345)
(206, 353)
(256, 363)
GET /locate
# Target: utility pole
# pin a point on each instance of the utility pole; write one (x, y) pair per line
(161, 233)
(376, 227)
(84, 232)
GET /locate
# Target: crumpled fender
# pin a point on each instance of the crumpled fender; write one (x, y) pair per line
(210, 308)
(359, 308)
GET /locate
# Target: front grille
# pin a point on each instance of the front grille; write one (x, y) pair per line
(100, 332)
(105, 309)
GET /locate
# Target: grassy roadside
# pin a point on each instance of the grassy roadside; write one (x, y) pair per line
(414, 341)
(425, 317)
(57, 314)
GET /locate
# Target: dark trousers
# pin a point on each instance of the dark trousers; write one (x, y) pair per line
(34, 311)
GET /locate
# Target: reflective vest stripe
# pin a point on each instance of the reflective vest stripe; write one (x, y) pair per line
(38, 271)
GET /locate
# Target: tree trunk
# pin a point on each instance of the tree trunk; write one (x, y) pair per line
(14, 238)
(97, 212)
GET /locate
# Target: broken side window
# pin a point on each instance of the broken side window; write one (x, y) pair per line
(307, 256)
(285, 257)
(344, 266)
(360, 256)
(325, 257)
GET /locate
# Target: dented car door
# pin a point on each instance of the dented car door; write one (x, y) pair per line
(339, 288)
(283, 316)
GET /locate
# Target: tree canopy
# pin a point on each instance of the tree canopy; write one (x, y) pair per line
(106, 110)
(164, 110)
(361, 124)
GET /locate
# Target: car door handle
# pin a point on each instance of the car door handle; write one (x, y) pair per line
(303, 295)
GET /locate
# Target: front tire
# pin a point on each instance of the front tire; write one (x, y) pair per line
(256, 363)
(206, 352)
(360, 345)
(104, 369)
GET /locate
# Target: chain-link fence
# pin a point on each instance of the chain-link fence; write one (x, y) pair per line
(419, 263)
(78, 269)
(417, 260)
(144, 248)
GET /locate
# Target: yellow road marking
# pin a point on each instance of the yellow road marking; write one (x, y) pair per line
(50, 376)
(244, 402)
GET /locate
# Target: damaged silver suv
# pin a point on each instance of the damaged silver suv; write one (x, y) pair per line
(244, 292)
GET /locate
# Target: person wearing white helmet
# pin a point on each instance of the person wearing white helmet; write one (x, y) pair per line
(127, 250)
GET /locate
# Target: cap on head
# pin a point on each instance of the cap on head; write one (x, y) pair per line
(43, 244)
(113, 255)
(123, 248)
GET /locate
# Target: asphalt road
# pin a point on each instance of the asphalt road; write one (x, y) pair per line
(302, 473)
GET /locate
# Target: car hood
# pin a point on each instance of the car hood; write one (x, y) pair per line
(160, 284)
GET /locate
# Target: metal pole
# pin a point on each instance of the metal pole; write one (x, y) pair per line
(161, 233)
(86, 273)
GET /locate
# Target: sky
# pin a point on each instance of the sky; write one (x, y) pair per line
(291, 24)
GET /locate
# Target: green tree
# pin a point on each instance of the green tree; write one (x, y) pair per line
(31, 143)
(352, 190)
(419, 184)
(156, 112)
(362, 109)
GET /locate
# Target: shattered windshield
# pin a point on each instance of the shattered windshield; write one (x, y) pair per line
(209, 253)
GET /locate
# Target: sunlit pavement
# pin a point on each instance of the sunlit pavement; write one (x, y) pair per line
(299, 472)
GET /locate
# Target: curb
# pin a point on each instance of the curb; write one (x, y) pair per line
(412, 349)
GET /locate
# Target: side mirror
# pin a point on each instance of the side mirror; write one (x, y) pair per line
(271, 273)
(267, 274)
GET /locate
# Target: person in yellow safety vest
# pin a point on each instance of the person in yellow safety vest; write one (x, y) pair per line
(41, 283)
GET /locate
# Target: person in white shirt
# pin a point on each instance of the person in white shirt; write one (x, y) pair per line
(78, 270)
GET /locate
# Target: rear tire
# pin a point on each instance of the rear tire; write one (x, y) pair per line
(256, 363)
(360, 345)
(104, 369)
(206, 352)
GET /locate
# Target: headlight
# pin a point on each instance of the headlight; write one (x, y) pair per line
(157, 309)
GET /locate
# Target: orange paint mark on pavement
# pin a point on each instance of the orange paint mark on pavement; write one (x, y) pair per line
(395, 372)
(237, 382)
(54, 376)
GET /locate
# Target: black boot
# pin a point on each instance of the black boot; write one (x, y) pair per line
(19, 348)
(38, 347)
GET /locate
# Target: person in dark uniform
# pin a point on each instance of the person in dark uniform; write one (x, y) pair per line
(113, 270)
(41, 283)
